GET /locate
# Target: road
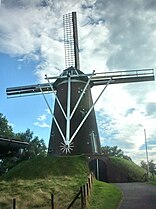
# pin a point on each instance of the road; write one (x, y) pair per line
(137, 196)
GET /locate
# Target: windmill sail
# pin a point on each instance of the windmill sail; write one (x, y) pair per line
(96, 80)
(71, 40)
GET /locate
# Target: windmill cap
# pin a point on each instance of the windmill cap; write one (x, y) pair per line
(73, 72)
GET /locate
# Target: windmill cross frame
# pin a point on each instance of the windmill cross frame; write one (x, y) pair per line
(94, 79)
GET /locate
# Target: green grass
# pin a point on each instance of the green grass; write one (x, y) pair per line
(45, 167)
(104, 196)
(32, 194)
(32, 182)
(153, 182)
(134, 172)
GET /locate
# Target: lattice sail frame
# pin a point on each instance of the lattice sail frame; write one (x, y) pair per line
(71, 40)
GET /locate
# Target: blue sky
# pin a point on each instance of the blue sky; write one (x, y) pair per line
(113, 35)
(24, 112)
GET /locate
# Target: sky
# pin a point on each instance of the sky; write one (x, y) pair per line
(113, 35)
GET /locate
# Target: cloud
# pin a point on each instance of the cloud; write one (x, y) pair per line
(120, 37)
(42, 125)
(130, 111)
(131, 34)
(121, 121)
(42, 117)
(37, 34)
(151, 109)
(48, 111)
(17, 35)
(44, 120)
(22, 3)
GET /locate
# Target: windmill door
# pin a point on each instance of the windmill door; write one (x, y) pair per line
(99, 168)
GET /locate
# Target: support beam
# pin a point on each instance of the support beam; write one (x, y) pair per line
(53, 116)
(57, 99)
(89, 111)
(80, 98)
(68, 109)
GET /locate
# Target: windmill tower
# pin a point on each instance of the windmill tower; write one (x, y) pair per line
(78, 129)
(74, 128)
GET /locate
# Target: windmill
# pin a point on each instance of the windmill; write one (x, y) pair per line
(74, 127)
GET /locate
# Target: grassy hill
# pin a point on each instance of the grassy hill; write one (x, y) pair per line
(32, 182)
(46, 167)
(129, 169)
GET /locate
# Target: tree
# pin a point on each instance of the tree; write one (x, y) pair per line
(114, 151)
(6, 130)
(152, 167)
(144, 165)
(36, 146)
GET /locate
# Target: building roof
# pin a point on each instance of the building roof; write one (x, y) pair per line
(8, 146)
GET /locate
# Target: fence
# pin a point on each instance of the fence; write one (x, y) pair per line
(84, 194)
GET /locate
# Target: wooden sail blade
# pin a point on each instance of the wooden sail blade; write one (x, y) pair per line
(29, 90)
(123, 77)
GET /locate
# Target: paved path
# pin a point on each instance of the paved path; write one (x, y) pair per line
(137, 196)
